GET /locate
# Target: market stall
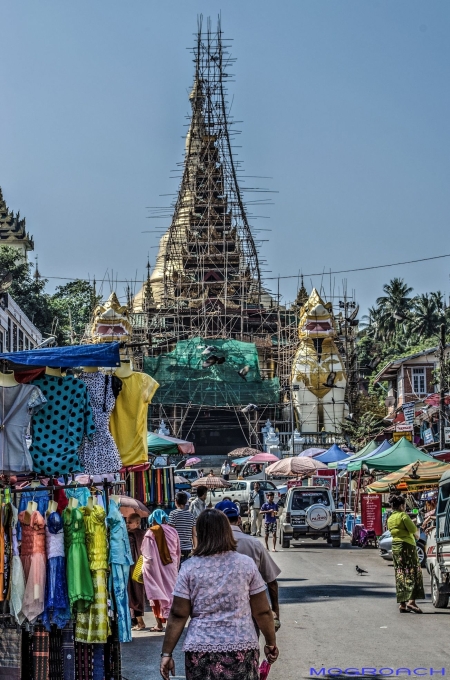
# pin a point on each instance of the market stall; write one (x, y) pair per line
(65, 434)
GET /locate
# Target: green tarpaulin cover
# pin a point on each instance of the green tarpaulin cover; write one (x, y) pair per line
(183, 380)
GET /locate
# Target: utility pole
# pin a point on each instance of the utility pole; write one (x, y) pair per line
(442, 386)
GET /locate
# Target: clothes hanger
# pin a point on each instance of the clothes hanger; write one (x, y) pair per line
(52, 507)
(32, 506)
(92, 500)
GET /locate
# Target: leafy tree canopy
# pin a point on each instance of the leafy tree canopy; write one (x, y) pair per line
(63, 314)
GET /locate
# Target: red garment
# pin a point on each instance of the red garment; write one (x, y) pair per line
(59, 495)
(29, 374)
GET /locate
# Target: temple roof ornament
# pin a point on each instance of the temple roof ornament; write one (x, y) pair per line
(12, 229)
(111, 321)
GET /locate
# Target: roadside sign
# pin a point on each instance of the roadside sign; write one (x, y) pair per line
(428, 437)
(408, 412)
(396, 436)
(371, 512)
(404, 427)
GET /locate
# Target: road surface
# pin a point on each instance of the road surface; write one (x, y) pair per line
(332, 619)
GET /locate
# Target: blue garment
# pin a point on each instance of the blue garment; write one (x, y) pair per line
(268, 518)
(56, 603)
(120, 559)
(42, 499)
(98, 662)
(59, 427)
(158, 516)
(118, 582)
(103, 354)
(81, 494)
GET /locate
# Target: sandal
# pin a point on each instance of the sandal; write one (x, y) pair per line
(156, 630)
(138, 627)
(415, 610)
(402, 610)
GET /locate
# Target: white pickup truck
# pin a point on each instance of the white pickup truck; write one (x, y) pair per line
(239, 492)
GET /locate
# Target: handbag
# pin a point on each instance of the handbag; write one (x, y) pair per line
(138, 574)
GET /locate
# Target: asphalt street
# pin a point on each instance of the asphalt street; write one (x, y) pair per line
(331, 618)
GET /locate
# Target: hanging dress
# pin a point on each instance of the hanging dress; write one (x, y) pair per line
(79, 581)
(17, 583)
(57, 608)
(100, 455)
(93, 624)
(60, 426)
(33, 562)
(17, 404)
(120, 560)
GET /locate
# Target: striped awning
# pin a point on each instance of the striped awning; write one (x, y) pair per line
(414, 475)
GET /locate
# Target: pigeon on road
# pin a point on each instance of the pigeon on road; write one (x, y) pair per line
(361, 571)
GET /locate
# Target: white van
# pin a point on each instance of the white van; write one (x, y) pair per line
(438, 547)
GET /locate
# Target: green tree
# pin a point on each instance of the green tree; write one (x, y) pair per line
(73, 304)
(393, 307)
(27, 291)
(427, 315)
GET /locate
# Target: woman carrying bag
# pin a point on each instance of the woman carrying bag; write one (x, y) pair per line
(220, 590)
(408, 572)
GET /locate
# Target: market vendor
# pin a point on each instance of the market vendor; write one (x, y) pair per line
(136, 592)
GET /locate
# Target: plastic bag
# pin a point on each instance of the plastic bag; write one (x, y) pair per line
(264, 670)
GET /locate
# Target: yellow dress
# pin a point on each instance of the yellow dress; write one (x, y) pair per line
(92, 625)
(128, 422)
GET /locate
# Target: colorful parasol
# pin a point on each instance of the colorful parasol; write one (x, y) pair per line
(244, 451)
(311, 452)
(295, 467)
(263, 458)
(211, 482)
(129, 506)
(192, 461)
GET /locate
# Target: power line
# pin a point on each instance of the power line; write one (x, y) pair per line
(289, 276)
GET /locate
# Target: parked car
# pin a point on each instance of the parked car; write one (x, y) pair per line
(385, 545)
(309, 512)
(239, 492)
(438, 547)
(191, 474)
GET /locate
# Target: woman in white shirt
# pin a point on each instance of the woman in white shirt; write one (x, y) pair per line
(220, 590)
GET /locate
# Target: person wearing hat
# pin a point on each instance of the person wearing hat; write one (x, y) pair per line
(247, 545)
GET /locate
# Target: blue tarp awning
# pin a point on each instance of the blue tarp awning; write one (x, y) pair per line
(333, 455)
(71, 356)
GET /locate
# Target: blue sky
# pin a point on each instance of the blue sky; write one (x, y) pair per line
(346, 106)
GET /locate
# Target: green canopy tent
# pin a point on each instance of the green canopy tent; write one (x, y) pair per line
(397, 456)
(368, 448)
(168, 446)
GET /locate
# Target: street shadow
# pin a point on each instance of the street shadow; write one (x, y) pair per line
(314, 593)
(290, 580)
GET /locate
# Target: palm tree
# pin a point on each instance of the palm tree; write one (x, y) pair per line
(393, 307)
(427, 314)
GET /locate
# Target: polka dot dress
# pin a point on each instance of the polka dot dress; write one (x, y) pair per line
(100, 455)
(59, 427)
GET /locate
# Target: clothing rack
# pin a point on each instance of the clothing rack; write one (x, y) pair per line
(33, 635)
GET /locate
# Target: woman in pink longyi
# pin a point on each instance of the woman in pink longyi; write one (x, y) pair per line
(161, 552)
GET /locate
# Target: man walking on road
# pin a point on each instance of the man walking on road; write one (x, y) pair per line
(270, 511)
(246, 545)
(225, 470)
(199, 504)
(183, 521)
(255, 502)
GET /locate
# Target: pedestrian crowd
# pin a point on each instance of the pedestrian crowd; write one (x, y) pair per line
(197, 564)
